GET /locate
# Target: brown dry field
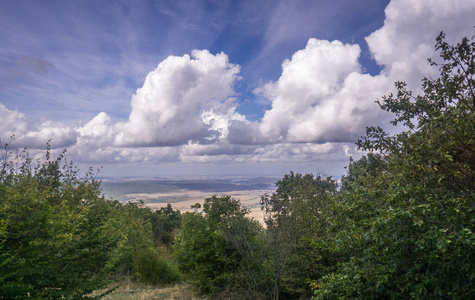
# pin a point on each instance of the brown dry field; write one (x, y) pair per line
(249, 199)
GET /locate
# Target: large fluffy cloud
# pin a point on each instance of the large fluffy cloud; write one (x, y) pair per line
(407, 38)
(177, 99)
(321, 96)
(184, 108)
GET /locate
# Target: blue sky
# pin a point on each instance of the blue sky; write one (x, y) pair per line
(211, 87)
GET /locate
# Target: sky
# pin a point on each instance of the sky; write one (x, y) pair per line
(212, 87)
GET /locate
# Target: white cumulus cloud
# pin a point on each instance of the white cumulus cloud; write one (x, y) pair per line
(321, 96)
(407, 39)
(176, 100)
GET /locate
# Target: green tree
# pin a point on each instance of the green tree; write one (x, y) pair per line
(255, 274)
(296, 220)
(407, 226)
(204, 254)
(165, 223)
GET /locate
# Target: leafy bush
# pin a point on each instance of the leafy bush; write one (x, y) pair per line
(151, 268)
(204, 254)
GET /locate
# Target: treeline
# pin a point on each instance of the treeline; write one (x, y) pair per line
(399, 225)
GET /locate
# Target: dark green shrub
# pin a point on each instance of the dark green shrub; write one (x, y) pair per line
(152, 268)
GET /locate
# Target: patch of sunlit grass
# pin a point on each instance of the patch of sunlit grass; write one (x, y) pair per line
(139, 291)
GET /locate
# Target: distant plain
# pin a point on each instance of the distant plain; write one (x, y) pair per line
(182, 192)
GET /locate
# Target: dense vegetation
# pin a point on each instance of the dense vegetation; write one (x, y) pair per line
(400, 224)
(60, 239)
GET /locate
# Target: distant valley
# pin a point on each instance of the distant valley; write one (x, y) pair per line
(182, 192)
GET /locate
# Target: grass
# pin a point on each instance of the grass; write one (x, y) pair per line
(139, 291)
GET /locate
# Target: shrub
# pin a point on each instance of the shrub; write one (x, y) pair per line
(151, 268)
